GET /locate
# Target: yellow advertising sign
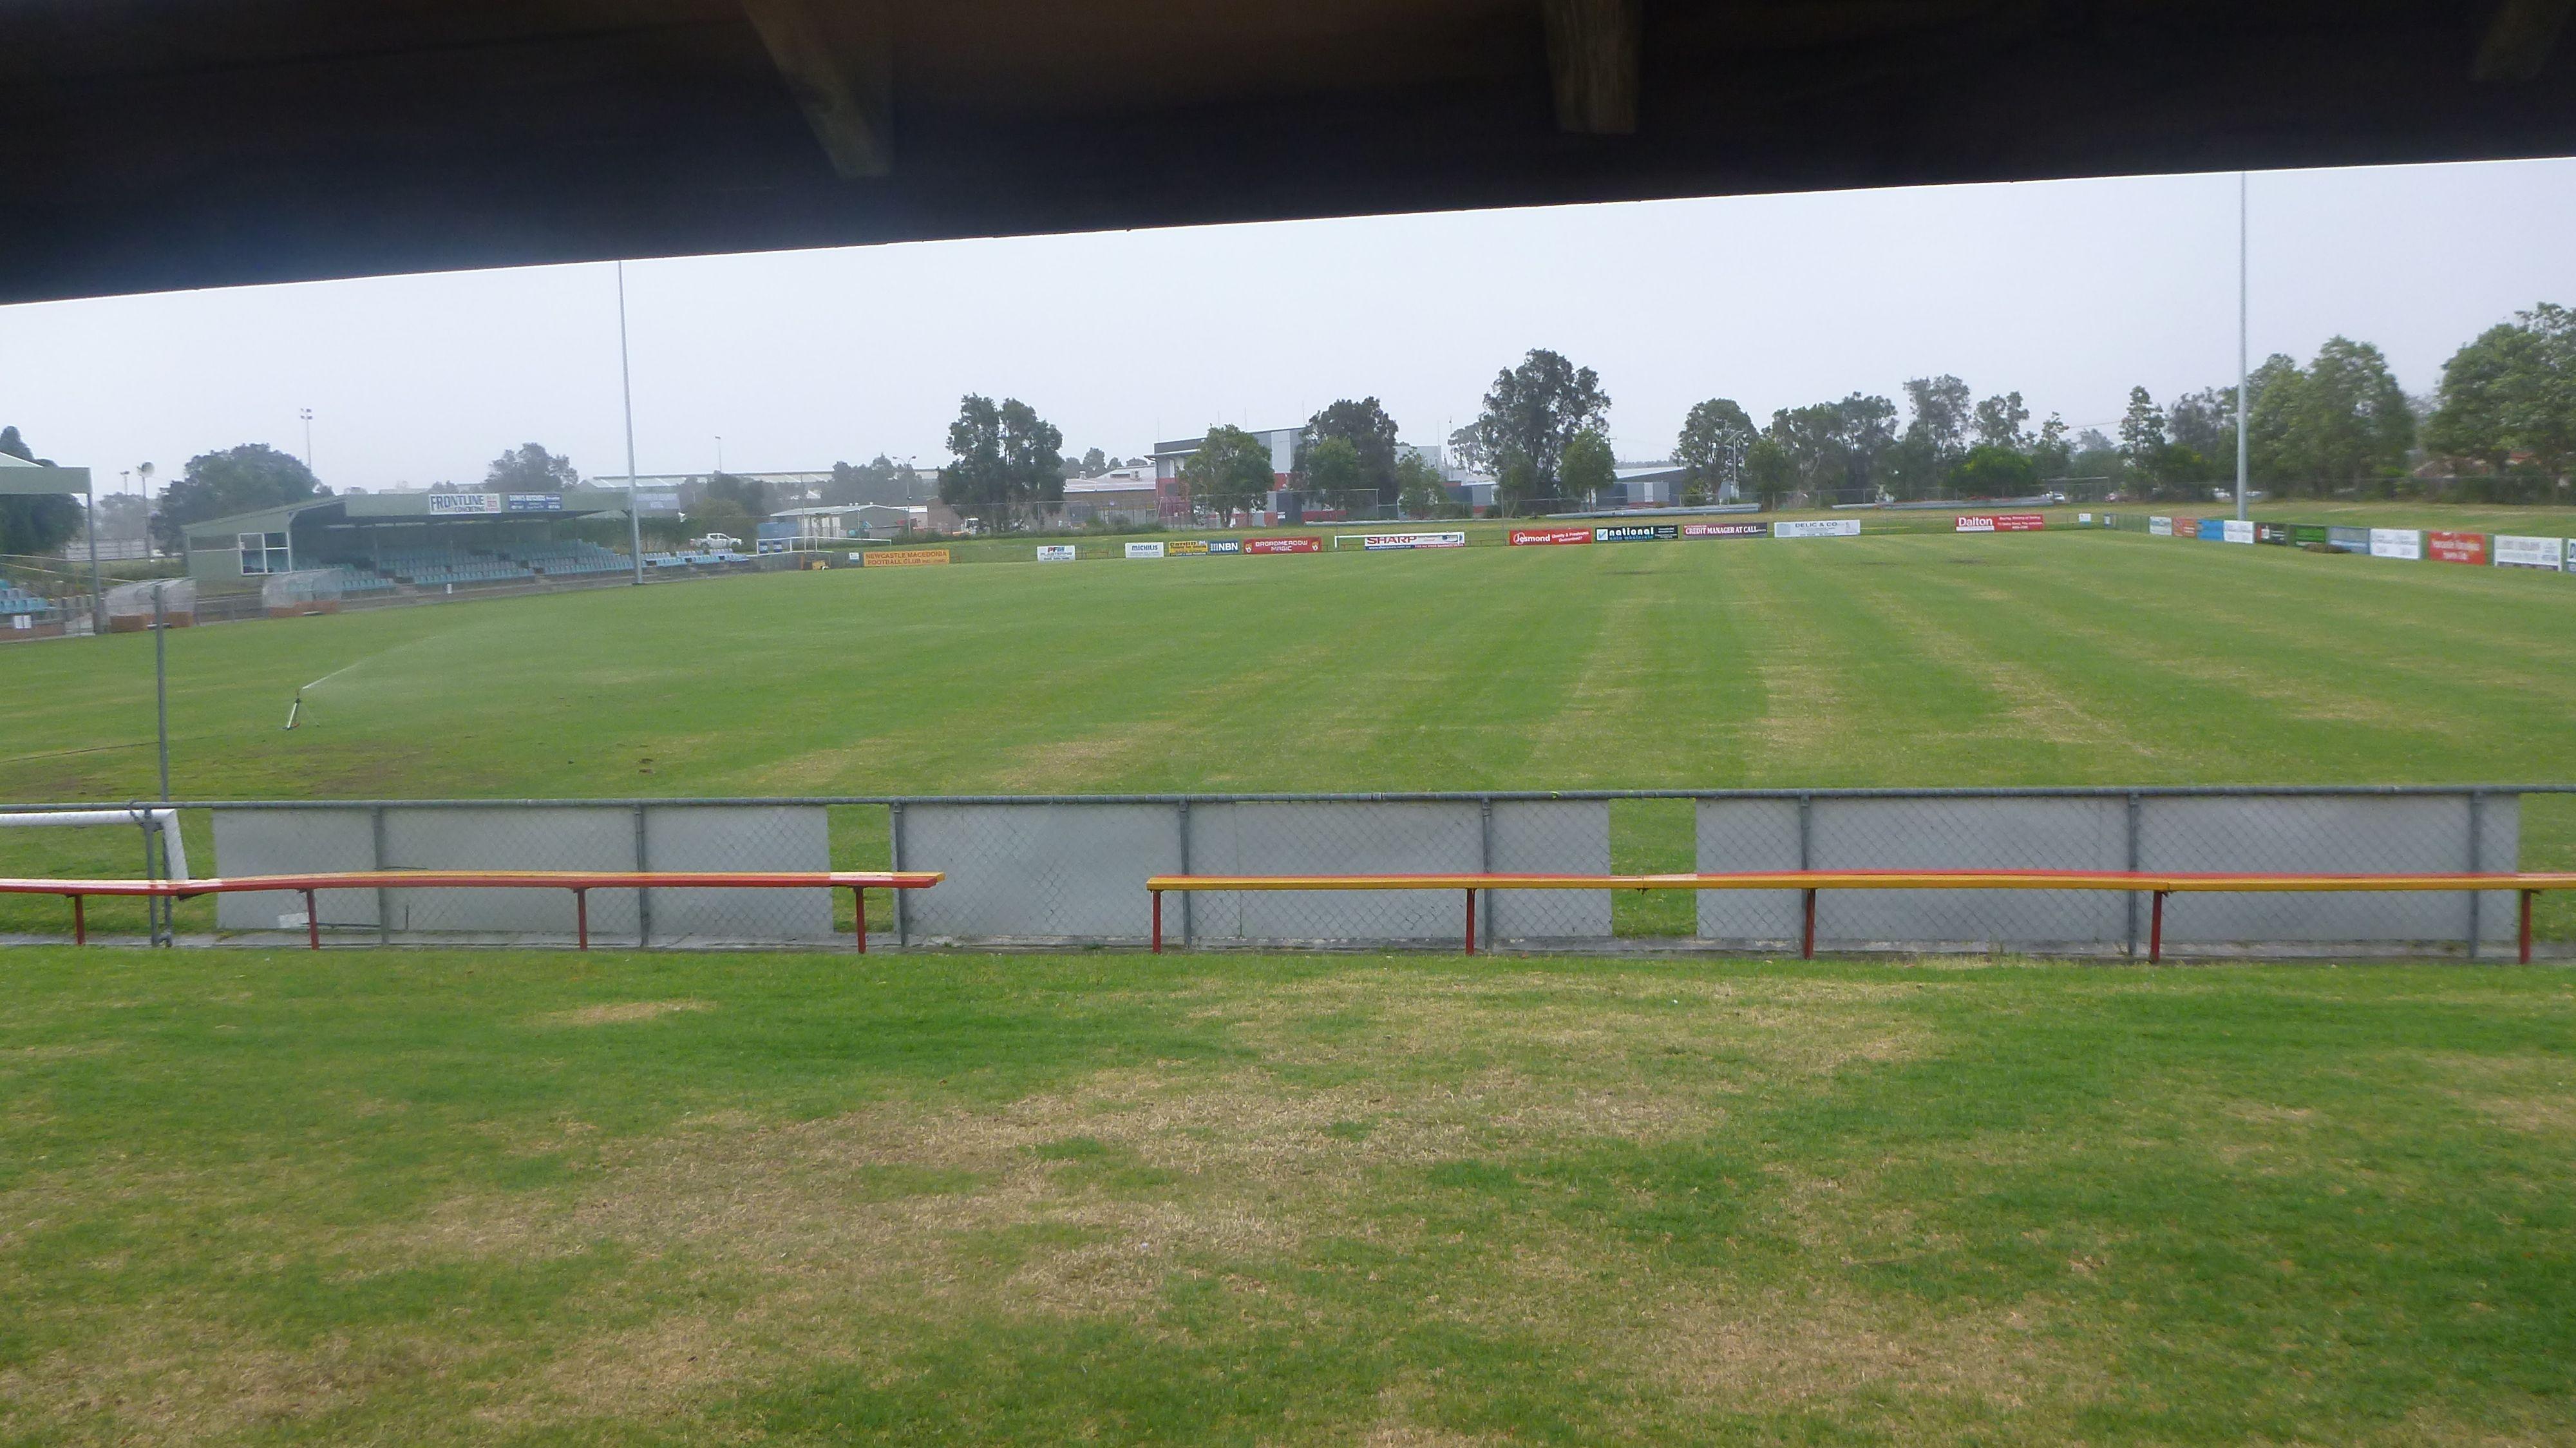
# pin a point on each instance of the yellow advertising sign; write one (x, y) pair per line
(906, 558)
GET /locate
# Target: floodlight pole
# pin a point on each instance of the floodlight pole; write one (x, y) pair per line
(2244, 417)
(97, 593)
(161, 682)
(626, 386)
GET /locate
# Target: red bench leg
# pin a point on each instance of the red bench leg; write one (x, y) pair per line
(2156, 931)
(2526, 925)
(1807, 942)
(80, 920)
(581, 916)
(312, 923)
(1471, 922)
(859, 908)
(1158, 920)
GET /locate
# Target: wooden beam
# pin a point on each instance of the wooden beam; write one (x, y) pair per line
(2519, 39)
(1593, 50)
(837, 57)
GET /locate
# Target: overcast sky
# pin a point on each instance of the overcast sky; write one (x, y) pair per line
(2070, 291)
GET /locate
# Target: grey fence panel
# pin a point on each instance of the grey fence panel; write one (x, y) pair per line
(1569, 837)
(1058, 871)
(293, 842)
(737, 837)
(501, 838)
(1748, 834)
(1969, 834)
(1333, 837)
(2373, 834)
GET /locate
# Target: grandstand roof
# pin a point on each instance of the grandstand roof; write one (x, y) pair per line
(316, 138)
(412, 508)
(17, 475)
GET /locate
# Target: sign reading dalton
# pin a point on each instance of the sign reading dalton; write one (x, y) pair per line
(2000, 523)
(465, 502)
(1726, 530)
(1538, 537)
(1378, 542)
(1818, 528)
(1283, 545)
(1635, 532)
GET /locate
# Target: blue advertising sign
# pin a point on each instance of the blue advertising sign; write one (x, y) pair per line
(2214, 530)
(534, 503)
(1225, 545)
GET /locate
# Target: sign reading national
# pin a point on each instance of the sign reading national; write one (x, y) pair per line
(1817, 528)
(2000, 523)
(1635, 532)
(1537, 537)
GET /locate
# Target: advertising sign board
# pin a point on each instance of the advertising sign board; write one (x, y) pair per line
(2000, 522)
(1192, 547)
(465, 502)
(2160, 527)
(905, 558)
(2513, 552)
(1817, 528)
(532, 503)
(2274, 534)
(1539, 537)
(1056, 553)
(767, 546)
(2210, 530)
(1380, 542)
(2234, 530)
(2456, 548)
(1144, 550)
(1225, 545)
(1283, 545)
(2348, 540)
(1725, 530)
(2303, 534)
(2396, 543)
(1635, 532)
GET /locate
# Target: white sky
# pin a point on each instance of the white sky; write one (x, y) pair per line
(2070, 291)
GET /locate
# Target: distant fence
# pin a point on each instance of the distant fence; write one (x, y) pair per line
(1055, 871)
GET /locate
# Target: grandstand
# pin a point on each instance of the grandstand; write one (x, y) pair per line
(382, 543)
(22, 612)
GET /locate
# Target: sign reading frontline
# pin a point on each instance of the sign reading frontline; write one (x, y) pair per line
(1379, 542)
(2396, 543)
(2513, 552)
(1537, 537)
(2000, 523)
(1283, 545)
(905, 558)
(1144, 550)
(1725, 530)
(467, 502)
(1636, 532)
(1818, 528)
(1057, 553)
(2456, 548)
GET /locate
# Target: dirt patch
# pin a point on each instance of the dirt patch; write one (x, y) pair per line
(622, 1012)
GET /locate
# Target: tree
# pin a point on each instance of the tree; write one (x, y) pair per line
(237, 480)
(1517, 488)
(1999, 423)
(2142, 434)
(1333, 471)
(1589, 468)
(1989, 471)
(1231, 472)
(2054, 457)
(1006, 460)
(1418, 486)
(32, 523)
(1768, 471)
(2339, 424)
(529, 468)
(2510, 393)
(1711, 448)
(1532, 412)
(1094, 463)
(2205, 422)
(879, 480)
(1936, 436)
(1371, 434)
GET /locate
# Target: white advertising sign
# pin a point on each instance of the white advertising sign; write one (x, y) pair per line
(1055, 553)
(1818, 528)
(2396, 543)
(2083, 517)
(2513, 552)
(1377, 541)
(1144, 550)
(2236, 531)
(2160, 527)
(465, 502)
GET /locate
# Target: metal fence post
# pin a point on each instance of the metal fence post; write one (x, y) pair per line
(643, 897)
(1485, 861)
(384, 897)
(2477, 819)
(894, 845)
(151, 871)
(1806, 861)
(1182, 817)
(2132, 896)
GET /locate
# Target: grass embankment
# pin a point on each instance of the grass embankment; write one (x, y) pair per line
(499, 1197)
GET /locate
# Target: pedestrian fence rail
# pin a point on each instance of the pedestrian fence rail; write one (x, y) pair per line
(1073, 870)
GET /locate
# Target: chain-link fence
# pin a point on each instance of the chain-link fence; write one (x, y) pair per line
(1069, 871)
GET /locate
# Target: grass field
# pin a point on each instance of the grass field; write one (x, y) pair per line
(499, 1198)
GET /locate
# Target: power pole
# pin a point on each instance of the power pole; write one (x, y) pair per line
(626, 386)
(307, 414)
(2244, 419)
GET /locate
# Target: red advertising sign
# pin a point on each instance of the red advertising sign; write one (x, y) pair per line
(1528, 537)
(2186, 527)
(1283, 545)
(1726, 530)
(2001, 522)
(2456, 547)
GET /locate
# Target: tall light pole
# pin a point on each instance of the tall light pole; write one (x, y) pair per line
(144, 471)
(2244, 418)
(719, 452)
(626, 386)
(307, 414)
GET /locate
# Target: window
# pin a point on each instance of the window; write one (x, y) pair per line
(265, 553)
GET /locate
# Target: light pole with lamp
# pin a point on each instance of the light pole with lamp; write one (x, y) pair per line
(307, 414)
(626, 388)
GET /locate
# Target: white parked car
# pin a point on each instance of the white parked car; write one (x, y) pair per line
(716, 543)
